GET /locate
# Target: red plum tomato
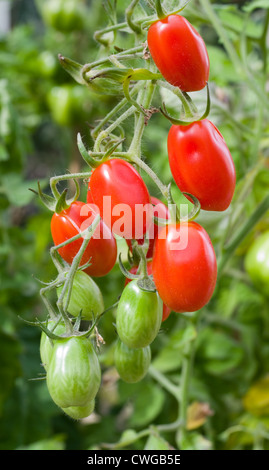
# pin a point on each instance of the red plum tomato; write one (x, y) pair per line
(201, 164)
(184, 267)
(122, 197)
(179, 52)
(101, 250)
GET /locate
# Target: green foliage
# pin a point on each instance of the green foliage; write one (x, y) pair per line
(231, 336)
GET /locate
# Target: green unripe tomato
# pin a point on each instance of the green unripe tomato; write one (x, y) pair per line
(131, 364)
(257, 262)
(46, 343)
(74, 374)
(79, 412)
(64, 15)
(68, 104)
(139, 316)
(85, 297)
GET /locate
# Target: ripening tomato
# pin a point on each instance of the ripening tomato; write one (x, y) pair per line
(122, 197)
(184, 266)
(257, 262)
(160, 210)
(133, 270)
(201, 164)
(79, 412)
(131, 364)
(46, 344)
(101, 250)
(179, 52)
(139, 316)
(74, 373)
(85, 299)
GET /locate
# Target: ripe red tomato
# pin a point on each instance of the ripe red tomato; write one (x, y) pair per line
(121, 195)
(179, 52)
(133, 270)
(101, 250)
(184, 266)
(201, 164)
(160, 210)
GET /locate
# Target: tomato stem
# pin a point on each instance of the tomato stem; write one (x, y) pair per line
(243, 231)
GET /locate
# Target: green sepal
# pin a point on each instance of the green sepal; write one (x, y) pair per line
(92, 162)
(188, 120)
(125, 271)
(73, 68)
(57, 205)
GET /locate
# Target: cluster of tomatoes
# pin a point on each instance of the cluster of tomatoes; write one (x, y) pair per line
(174, 269)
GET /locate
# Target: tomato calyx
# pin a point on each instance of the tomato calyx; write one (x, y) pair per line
(144, 280)
(94, 159)
(59, 201)
(190, 114)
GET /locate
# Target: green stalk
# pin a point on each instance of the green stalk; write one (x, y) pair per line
(242, 233)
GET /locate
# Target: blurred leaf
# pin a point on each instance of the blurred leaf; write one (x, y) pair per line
(55, 443)
(256, 400)
(147, 405)
(219, 353)
(197, 414)
(193, 441)
(10, 367)
(170, 356)
(157, 442)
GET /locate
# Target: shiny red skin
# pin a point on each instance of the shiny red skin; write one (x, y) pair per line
(100, 251)
(201, 164)
(185, 278)
(133, 270)
(161, 212)
(179, 53)
(121, 181)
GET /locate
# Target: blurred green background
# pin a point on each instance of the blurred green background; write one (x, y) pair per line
(41, 111)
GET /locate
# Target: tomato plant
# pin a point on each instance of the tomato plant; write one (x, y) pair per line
(139, 316)
(257, 262)
(74, 375)
(86, 297)
(184, 267)
(131, 364)
(101, 250)
(120, 194)
(179, 52)
(133, 270)
(201, 164)
(160, 210)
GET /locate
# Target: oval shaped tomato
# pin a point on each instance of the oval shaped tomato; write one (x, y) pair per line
(79, 412)
(201, 164)
(139, 316)
(257, 262)
(101, 250)
(46, 343)
(63, 15)
(161, 211)
(179, 52)
(86, 297)
(74, 374)
(184, 267)
(131, 364)
(122, 197)
(133, 270)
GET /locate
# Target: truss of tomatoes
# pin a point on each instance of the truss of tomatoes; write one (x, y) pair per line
(180, 258)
